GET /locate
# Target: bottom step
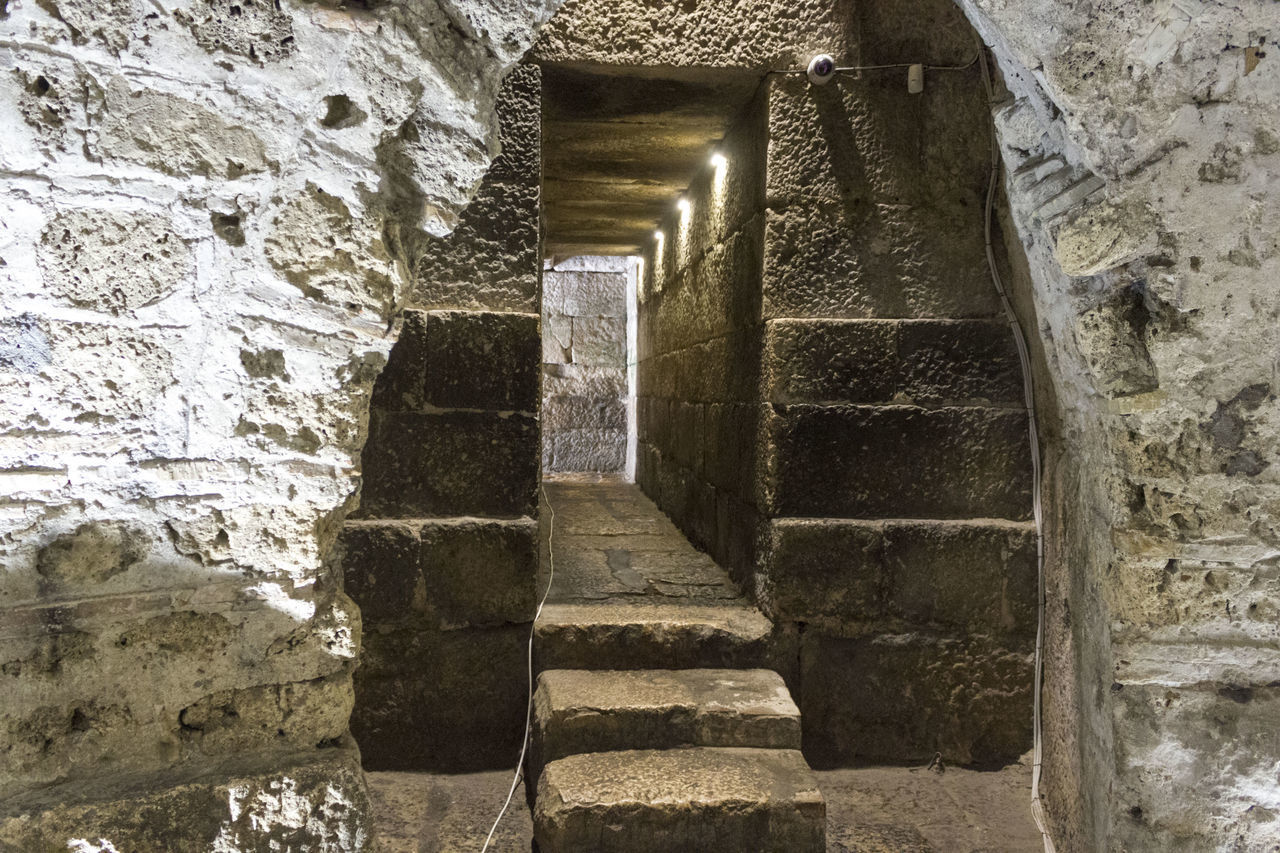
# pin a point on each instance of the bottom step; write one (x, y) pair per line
(680, 800)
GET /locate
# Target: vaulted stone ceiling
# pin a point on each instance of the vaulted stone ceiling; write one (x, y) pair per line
(618, 148)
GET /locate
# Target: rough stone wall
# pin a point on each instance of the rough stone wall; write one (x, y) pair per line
(830, 404)
(200, 257)
(698, 348)
(584, 365)
(1142, 162)
(754, 34)
(442, 555)
(895, 465)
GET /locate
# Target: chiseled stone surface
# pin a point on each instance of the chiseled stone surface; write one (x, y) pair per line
(584, 361)
(847, 577)
(902, 697)
(578, 711)
(741, 34)
(601, 635)
(442, 701)
(704, 798)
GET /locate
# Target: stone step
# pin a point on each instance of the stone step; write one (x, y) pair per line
(680, 800)
(577, 711)
(640, 635)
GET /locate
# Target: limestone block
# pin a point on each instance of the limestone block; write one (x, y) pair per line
(574, 411)
(926, 362)
(557, 344)
(480, 360)
(859, 140)
(626, 635)
(480, 573)
(979, 576)
(600, 341)
(578, 711)
(259, 32)
(312, 800)
(828, 573)
(898, 461)
(401, 385)
(1113, 342)
(1106, 235)
(295, 716)
(687, 435)
(320, 246)
(455, 710)
(584, 380)
(730, 455)
(585, 294)
(744, 36)
(177, 136)
(706, 798)
(92, 554)
(843, 576)
(586, 450)
(903, 697)
(460, 463)
(112, 261)
(815, 361)
(492, 260)
(441, 574)
(970, 362)
(867, 260)
(382, 570)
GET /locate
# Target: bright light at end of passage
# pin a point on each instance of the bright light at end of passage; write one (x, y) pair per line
(718, 160)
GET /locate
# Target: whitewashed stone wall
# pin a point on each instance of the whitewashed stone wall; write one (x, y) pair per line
(584, 365)
(1143, 162)
(204, 219)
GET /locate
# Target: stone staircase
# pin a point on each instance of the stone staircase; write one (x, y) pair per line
(655, 727)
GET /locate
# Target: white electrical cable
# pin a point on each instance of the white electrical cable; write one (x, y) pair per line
(1028, 392)
(528, 710)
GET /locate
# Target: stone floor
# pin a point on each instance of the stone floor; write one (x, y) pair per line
(869, 810)
(613, 544)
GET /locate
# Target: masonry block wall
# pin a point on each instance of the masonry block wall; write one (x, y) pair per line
(699, 338)
(584, 365)
(880, 441)
(442, 555)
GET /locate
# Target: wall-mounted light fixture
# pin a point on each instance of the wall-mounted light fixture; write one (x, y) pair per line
(684, 206)
(718, 160)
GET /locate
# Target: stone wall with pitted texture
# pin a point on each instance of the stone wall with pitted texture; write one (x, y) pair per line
(207, 213)
(831, 403)
(1142, 163)
(584, 365)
